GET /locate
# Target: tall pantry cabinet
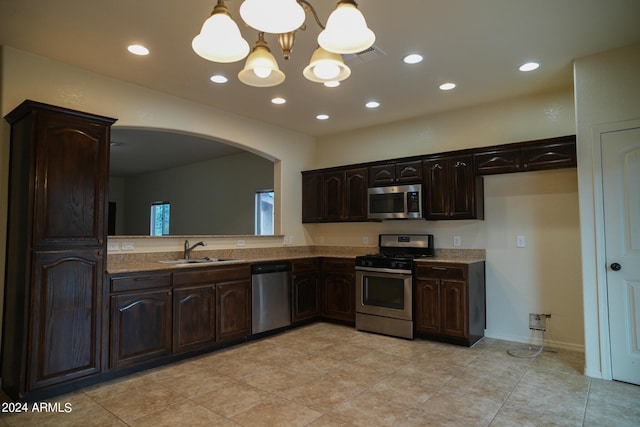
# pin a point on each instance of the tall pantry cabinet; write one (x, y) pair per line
(56, 248)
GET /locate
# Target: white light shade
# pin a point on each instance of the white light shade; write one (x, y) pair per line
(261, 68)
(273, 16)
(220, 39)
(346, 31)
(326, 66)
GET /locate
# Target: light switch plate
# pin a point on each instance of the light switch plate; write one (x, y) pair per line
(520, 242)
(457, 241)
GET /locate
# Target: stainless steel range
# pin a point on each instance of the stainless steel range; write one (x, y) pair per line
(384, 284)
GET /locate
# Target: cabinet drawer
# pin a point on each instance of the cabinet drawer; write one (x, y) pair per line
(140, 281)
(303, 265)
(211, 275)
(441, 271)
(339, 265)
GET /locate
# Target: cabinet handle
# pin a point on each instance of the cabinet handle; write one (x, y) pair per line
(439, 268)
(169, 293)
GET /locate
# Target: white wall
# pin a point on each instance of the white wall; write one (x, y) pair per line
(607, 91)
(545, 276)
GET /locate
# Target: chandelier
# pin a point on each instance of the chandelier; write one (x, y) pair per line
(346, 32)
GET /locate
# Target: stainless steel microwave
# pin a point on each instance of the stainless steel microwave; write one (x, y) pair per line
(395, 202)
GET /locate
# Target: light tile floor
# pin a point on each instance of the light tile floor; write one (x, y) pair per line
(329, 375)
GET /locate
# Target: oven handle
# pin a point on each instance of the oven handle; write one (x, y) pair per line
(383, 270)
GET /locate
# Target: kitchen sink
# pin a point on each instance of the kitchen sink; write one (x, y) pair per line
(205, 260)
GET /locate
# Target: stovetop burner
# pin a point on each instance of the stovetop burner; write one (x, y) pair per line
(397, 251)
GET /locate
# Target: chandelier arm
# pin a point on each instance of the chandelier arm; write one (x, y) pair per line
(310, 8)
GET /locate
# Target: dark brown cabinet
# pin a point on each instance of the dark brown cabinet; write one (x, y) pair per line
(452, 190)
(305, 289)
(344, 195)
(56, 244)
(553, 153)
(450, 301)
(334, 196)
(194, 317)
(338, 289)
(212, 305)
(233, 306)
(409, 172)
(140, 317)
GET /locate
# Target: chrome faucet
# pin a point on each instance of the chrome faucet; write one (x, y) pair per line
(188, 249)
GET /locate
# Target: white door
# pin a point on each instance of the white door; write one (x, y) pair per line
(621, 192)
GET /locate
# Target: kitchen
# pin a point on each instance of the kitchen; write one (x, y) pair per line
(514, 204)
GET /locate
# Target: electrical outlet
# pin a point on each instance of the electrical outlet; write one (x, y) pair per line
(365, 240)
(538, 322)
(520, 242)
(113, 247)
(128, 246)
(240, 243)
(457, 241)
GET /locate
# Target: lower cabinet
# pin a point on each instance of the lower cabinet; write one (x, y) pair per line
(158, 314)
(305, 289)
(233, 304)
(194, 317)
(450, 301)
(338, 289)
(140, 311)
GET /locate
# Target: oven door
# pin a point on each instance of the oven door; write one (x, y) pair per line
(384, 294)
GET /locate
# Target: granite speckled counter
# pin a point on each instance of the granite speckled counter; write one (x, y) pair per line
(127, 263)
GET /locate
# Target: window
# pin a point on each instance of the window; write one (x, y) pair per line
(160, 218)
(264, 212)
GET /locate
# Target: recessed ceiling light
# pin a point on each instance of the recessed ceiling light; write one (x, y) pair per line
(138, 49)
(322, 116)
(278, 100)
(413, 58)
(332, 84)
(529, 66)
(218, 78)
(447, 86)
(372, 104)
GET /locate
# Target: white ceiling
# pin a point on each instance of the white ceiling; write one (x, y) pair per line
(478, 44)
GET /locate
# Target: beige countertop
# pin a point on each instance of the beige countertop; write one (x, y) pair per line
(140, 262)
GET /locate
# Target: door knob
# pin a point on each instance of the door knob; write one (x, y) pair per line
(615, 266)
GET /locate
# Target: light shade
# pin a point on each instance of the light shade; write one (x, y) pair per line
(261, 68)
(220, 39)
(273, 16)
(346, 30)
(326, 67)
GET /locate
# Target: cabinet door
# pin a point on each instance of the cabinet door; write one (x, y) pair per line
(549, 156)
(311, 197)
(503, 160)
(339, 296)
(453, 299)
(409, 172)
(194, 320)
(140, 327)
(72, 158)
(437, 191)
(332, 196)
(305, 288)
(427, 306)
(66, 316)
(462, 200)
(381, 175)
(356, 194)
(233, 310)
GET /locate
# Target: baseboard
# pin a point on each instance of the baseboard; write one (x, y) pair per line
(537, 340)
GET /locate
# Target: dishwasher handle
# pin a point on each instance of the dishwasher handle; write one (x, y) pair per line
(270, 268)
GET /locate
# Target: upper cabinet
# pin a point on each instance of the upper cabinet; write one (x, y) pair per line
(409, 172)
(452, 189)
(335, 196)
(553, 153)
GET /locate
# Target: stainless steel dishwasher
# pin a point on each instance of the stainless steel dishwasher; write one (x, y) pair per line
(271, 296)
